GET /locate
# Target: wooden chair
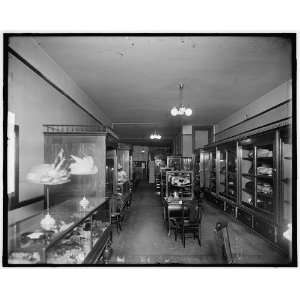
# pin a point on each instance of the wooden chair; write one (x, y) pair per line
(191, 223)
(174, 215)
(116, 215)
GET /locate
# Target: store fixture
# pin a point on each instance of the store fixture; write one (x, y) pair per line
(79, 229)
(200, 158)
(180, 163)
(163, 180)
(123, 185)
(250, 178)
(179, 185)
(181, 110)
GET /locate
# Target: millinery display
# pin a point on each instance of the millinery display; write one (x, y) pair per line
(75, 228)
(83, 166)
(179, 184)
(179, 180)
(51, 174)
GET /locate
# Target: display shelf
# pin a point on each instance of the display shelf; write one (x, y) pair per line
(260, 176)
(179, 184)
(163, 180)
(69, 218)
(178, 163)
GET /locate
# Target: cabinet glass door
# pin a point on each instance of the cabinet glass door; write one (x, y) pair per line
(247, 173)
(222, 173)
(286, 183)
(212, 175)
(231, 178)
(205, 160)
(264, 176)
(257, 172)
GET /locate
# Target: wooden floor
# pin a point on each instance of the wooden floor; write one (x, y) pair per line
(144, 238)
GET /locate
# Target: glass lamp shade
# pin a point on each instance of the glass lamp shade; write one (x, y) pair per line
(174, 111)
(188, 112)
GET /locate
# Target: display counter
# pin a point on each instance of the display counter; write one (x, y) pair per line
(66, 233)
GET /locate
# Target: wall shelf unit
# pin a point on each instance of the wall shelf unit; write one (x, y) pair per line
(250, 178)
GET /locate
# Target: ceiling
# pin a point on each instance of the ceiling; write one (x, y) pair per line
(134, 79)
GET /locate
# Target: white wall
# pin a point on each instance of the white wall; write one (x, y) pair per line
(29, 49)
(35, 103)
(138, 155)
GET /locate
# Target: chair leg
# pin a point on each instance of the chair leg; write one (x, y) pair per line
(199, 237)
(175, 234)
(183, 238)
(120, 225)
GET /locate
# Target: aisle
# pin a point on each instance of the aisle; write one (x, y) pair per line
(144, 238)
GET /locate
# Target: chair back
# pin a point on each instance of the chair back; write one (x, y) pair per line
(192, 212)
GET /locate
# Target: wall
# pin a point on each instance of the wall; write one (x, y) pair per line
(138, 155)
(35, 102)
(276, 96)
(201, 138)
(29, 49)
(187, 140)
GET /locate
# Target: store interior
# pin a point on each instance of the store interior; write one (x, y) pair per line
(149, 150)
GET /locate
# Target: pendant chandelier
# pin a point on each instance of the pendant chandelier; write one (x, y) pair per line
(181, 110)
(155, 136)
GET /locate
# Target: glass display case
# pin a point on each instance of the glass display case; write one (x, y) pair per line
(74, 227)
(257, 172)
(77, 235)
(202, 168)
(212, 185)
(227, 171)
(123, 159)
(285, 230)
(163, 174)
(205, 162)
(253, 180)
(180, 163)
(179, 184)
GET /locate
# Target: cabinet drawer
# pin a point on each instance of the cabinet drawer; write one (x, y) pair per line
(230, 209)
(265, 229)
(244, 217)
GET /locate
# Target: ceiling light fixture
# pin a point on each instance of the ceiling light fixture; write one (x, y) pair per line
(181, 110)
(155, 136)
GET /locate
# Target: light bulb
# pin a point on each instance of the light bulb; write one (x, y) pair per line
(181, 110)
(188, 112)
(174, 111)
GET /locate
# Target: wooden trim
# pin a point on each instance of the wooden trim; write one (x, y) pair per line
(260, 129)
(255, 116)
(14, 200)
(29, 202)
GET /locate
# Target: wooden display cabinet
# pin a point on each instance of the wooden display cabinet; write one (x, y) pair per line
(250, 178)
